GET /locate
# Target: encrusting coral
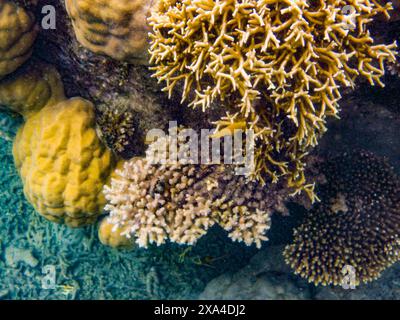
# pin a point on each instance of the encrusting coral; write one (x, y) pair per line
(30, 88)
(279, 64)
(116, 28)
(111, 236)
(62, 162)
(178, 200)
(18, 31)
(355, 227)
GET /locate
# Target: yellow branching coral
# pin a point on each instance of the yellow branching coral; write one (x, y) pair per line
(355, 227)
(18, 31)
(31, 88)
(180, 201)
(280, 64)
(116, 28)
(62, 162)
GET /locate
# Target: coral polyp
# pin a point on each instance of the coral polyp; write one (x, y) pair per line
(356, 225)
(279, 65)
(179, 201)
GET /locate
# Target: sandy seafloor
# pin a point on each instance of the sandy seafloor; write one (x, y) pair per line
(85, 269)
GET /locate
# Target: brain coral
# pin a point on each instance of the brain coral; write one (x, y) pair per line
(63, 164)
(116, 28)
(180, 201)
(279, 66)
(31, 88)
(18, 31)
(356, 224)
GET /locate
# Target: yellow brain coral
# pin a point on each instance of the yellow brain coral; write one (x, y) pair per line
(116, 28)
(31, 88)
(17, 33)
(279, 65)
(63, 164)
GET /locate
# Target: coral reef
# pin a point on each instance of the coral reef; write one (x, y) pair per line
(279, 64)
(117, 129)
(18, 32)
(177, 200)
(116, 28)
(356, 225)
(31, 88)
(63, 164)
(85, 269)
(113, 237)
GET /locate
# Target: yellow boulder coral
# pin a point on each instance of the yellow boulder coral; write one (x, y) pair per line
(63, 164)
(116, 28)
(31, 88)
(113, 236)
(17, 33)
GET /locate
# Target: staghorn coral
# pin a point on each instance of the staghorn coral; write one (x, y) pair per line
(62, 163)
(180, 201)
(30, 88)
(116, 28)
(280, 65)
(18, 31)
(356, 224)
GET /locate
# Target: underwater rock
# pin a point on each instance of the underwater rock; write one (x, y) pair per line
(14, 256)
(265, 278)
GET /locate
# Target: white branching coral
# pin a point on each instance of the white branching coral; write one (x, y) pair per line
(180, 201)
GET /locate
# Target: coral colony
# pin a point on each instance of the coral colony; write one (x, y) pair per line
(276, 67)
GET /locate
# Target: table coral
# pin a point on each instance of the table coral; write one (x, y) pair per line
(30, 88)
(357, 223)
(279, 65)
(62, 162)
(180, 201)
(116, 28)
(18, 32)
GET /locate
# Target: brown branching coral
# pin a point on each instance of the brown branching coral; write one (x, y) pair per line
(116, 128)
(280, 64)
(180, 201)
(18, 31)
(357, 223)
(116, 28)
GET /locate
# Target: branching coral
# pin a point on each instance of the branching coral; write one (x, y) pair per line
(18, 31)
(357, 223)
(181, 201)
(116, 127)
(116, 28)
(280, 64)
